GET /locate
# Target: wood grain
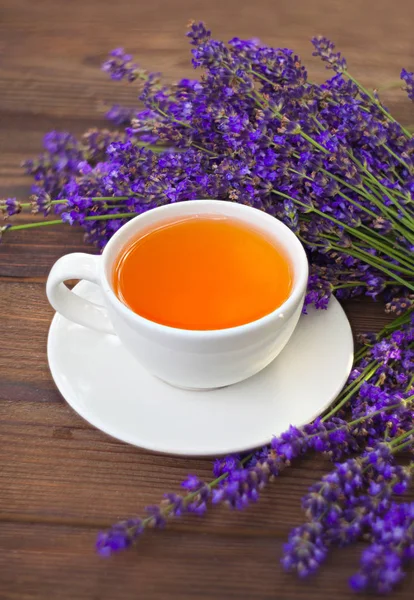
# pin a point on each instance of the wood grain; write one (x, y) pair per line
(60, 479)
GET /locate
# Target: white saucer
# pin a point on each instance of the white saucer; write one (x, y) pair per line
(108, 388)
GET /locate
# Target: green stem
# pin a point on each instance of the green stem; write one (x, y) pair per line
(406, 216)
(404, 265)
(361, 419)
(153, 147)
(350, 154)
(390, 214)
(400, 160)
(210, 152)
(397, 323)
(256, 74)
(357, 284)
(343, 286)
(397, 176)
(387, 330)
(359, 355)
(375, 261)
(59, 222)
(183, 124)
(366, 374)
(378, 263)
(396, 192)
(370, 415)
(410, 383)
(169, 117)
(392, 242)
(37, 224)
(397, 441)
(389, 247)
(258, 99)
(351, 230)
(94, 198)
(380, 239)
(383, 189)
(280, 116)
(358, 381)
(342, 181)
(396, 449)
(375, 198)
(361, 166)
(313, 142)
(389, 251)
(376, 102)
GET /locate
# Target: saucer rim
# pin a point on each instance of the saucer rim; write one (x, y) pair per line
(95, 421)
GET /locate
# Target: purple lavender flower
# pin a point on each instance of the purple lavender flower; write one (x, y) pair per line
(41, 202)
(349, 500)
(290, 444)
(283, 149)
(10, 207)
(318, 292)
(198, 34)
(398, 305)
(305, 551)
(120, 66)
(324, 48)
(393, 546)
(124, 534)
(258, 153)
(408, 79)
(120, 537)
(120, 115)
(243, 484)
(225, 465)
(52, 170)
(380, 570)
(3, 228)
(191, 483)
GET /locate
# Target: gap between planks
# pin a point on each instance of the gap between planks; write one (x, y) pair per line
(18, 279)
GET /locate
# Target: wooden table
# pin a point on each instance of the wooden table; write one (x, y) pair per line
(60, 479)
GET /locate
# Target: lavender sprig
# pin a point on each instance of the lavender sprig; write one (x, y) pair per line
(392, 537)
(125, 533)
(344, 505)
(362, 416)
(408, 79)
(329, 160)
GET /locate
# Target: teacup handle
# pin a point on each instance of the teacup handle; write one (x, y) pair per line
(83, 312)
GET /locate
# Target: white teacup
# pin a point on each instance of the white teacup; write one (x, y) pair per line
(184, 358)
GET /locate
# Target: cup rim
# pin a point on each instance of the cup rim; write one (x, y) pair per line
(297, 291)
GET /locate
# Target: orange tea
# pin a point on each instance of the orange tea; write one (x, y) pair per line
(202, 272)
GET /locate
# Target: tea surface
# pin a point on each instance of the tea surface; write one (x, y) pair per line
(202, 273)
